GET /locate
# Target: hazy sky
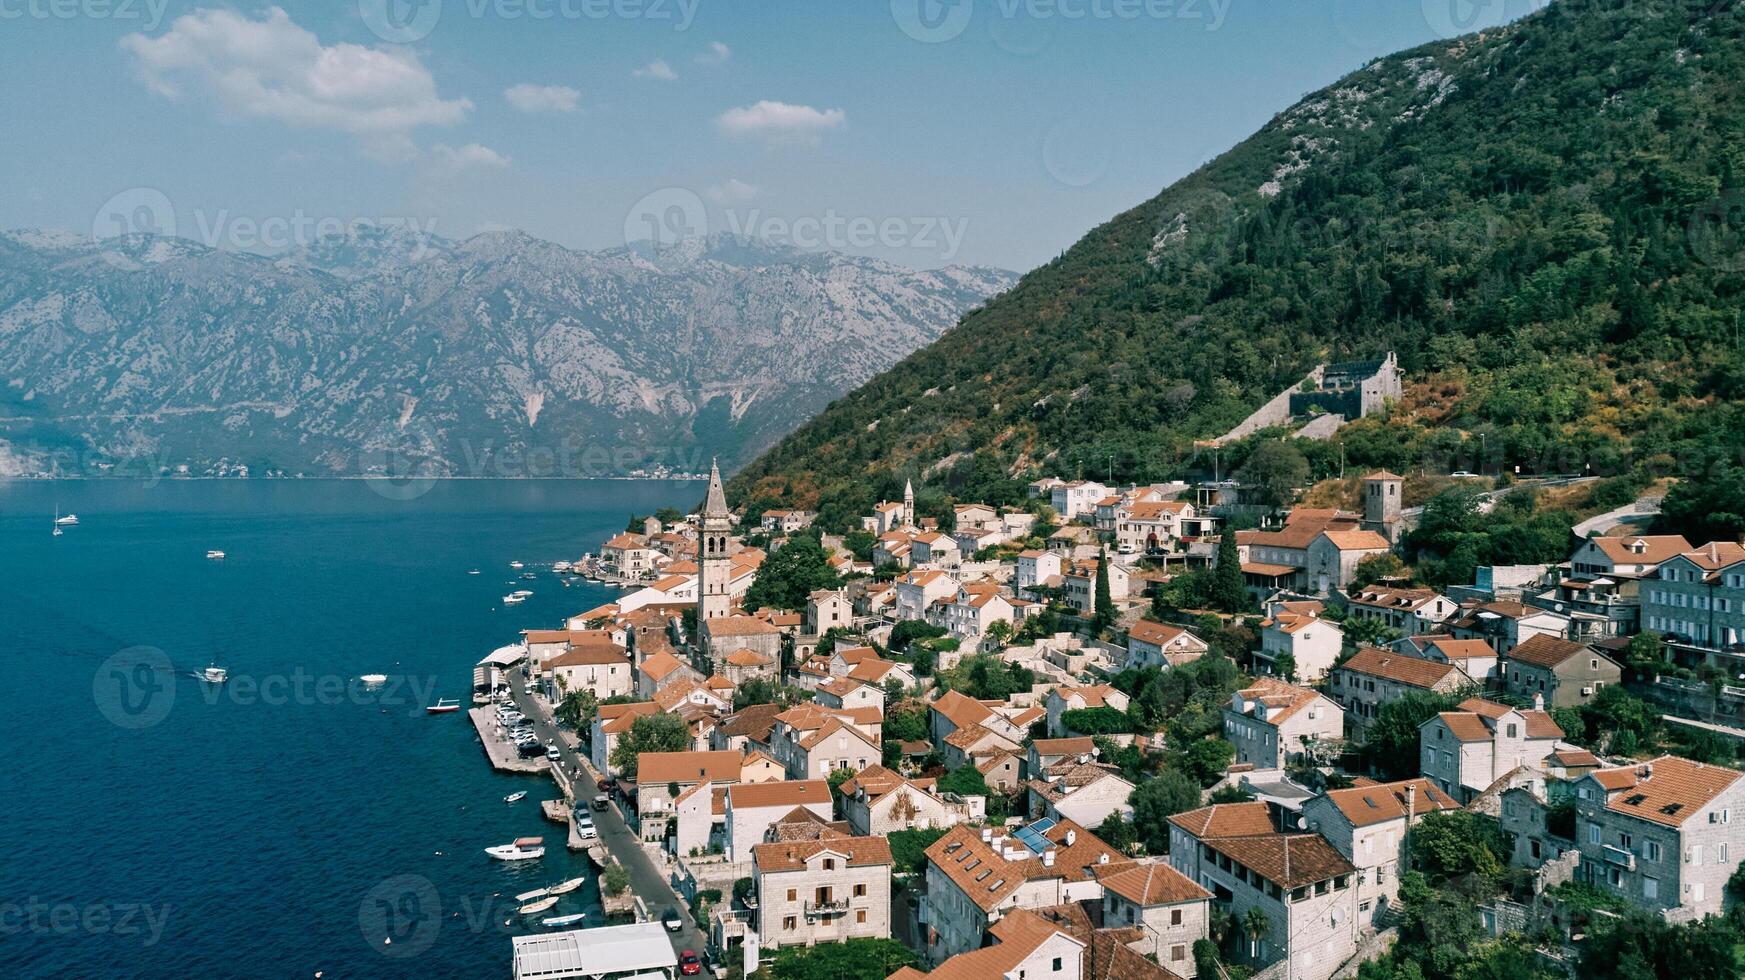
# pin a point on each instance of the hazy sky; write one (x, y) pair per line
(923, 131)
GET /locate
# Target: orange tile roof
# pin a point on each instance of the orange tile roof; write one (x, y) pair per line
(591, 654)
(1386, 598)
(1020, 933)
(1675, 789)
(981, 871)
(1358, 540)
(1365, 805)
(1064, 746)
(790, 794)
(738, 626)
(1274, 693)
(687, 767)
(1287, 860)
(1161, 634)
(1147, 885)
(747, 658)
(1226, 820)
(1656, 548)
(1539, 723)
(961, 710)
(1544, 650)
(858, 852)
(661, 665)
(1399, 667)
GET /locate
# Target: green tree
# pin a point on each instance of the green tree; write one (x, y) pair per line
(1707, 507)
(1448, 844)
(909, 848)
(849, 959)
(615, 880)
(1374, 568)
(1155, 801)
(1276, 469)
(660, 732)
(1229, 591)
(965, 780)
(1204, 759)
(1391, 741)
(577, 709)
(1104, 604)
(790, 574)
(1255, 925)
(1117, 832)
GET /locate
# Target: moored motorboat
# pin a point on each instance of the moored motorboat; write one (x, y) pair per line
(530, 896)
(516, 565)
(565, 887)
(442, 706)
(515, 598)
(215, 554)
(524, 849)
(373, 680)
(564, 920)
(66, 520)
(561, 566)
(515, 796)
(534, 908)
(214, 674)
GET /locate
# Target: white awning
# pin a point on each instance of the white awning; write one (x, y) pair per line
(507, 656)
(609, 951)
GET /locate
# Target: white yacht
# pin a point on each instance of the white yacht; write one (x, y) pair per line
(215, 554)
(66, 520)
(214, 674)
(561, 566)
(524, 849)
(516, 565)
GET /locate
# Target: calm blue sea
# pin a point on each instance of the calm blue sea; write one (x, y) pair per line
(281, 826)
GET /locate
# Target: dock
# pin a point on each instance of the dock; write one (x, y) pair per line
(557, 811)
(500, 750)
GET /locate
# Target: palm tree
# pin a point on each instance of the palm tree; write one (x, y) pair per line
(1255, 923)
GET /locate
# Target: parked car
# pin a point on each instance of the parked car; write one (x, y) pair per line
(607, 785)
(585, 827)
(599, 804)
(689, 964)
(672, 919)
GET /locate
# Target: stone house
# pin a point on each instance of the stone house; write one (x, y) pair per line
(1171, 911)
(1063, 699)
(828, 609)
(844, 693)
(1564, 674)
(1312, 643)
(600, 668)
(827, 890)
(1474, 657)
(815, 751)
(751, 809)
(1085, 793)
(1466, 751)
(723, 636)
(1154, 644)
(1273, 724)
(877, 801)
(610, 723)
(1662, 834)
(1374, 676)
(1505, 625)
(1037, 568)
(1304, 887)
(977, 876)
(1406, 611)
(1697, 601)
(918, 590)
(1369, 825)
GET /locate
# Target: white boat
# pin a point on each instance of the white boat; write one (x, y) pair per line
(513, 797)
(514, 598)
(214, 674)
(561, 566)
(57, 532)
(66, 520)
(524, 849)
(442, 706)
(472, 571)
(534, 908)
(374, 680)
(565, 887)
(530, 896)
(215, 554)
(564, 920)
(516, 565)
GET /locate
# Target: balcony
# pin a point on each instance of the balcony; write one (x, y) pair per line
(1618, 856)
(826, 910)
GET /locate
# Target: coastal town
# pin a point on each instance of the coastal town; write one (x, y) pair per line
(1213, 729)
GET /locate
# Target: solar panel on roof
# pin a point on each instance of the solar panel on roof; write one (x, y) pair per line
(1032, 836)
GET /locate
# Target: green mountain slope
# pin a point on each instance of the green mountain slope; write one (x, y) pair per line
(1533, 217)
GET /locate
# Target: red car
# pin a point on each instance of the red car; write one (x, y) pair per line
(607, 785)
(689, 964)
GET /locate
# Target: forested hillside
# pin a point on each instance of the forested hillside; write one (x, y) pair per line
(1535, 218)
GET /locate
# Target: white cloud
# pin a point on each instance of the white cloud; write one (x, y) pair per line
(542, 98)
(452, 161)
(272, 69)
(780, 122)
(732, 191)
(657, 69)
(717, 54)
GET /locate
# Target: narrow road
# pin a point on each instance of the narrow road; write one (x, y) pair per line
(647, 880)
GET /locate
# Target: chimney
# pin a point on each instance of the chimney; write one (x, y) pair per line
(1538, 701)
(1411, 803)
(1071, 838)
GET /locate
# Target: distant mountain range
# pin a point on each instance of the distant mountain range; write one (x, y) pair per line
(1543, 220)
(387, 351)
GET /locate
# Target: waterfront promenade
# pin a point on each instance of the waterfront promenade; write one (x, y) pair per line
(647, 881)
